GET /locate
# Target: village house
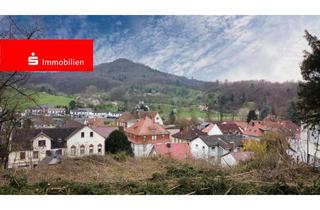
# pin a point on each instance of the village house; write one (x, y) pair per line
(30, 147)
(126, 120)
(172, 129)
(306, 148)
(81, 112)
(186, 135)
(211, 148)
(220, 128)
(144, 134)
(152, 115)
(177, 151)
(257, 128)
(45, 110)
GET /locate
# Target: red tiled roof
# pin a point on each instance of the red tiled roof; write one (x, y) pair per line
(241, 125)
(208, 128)
(179, 151)
(229, 128)
(146, 126)
(255, 128)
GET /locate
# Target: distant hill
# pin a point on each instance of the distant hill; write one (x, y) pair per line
(123, 79)
(121, 72)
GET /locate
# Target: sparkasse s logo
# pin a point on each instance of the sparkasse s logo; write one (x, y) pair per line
(33, 60)
(46, 55)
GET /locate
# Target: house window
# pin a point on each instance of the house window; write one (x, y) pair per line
(91, 149)
(73, 150)
(42, 143)
(91, 134)
(35, 154)
(154, 138)
(82, 150)
(100, 149)
(196, 145)
(59, 152)
(144, 137)
(82, 134)
(22, 155)
(48, 153)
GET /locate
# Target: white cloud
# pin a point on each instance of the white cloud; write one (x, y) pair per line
(209, 47)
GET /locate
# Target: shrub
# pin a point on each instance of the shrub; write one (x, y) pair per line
(118, 142)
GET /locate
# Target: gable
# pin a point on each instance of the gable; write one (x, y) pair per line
(215, 130)
(77, 135)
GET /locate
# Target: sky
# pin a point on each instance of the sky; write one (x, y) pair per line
(201, 47)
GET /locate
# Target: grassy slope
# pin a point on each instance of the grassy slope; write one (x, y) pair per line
(45, 98)
(104, 175)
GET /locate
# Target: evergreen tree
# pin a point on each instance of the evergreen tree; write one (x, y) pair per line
(252, 116)
(72, 104)
(309, 89)
(264, 112)
(172, 117)
(292, 113)
(118, 142)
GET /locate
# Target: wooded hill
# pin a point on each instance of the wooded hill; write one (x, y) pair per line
(124, 80)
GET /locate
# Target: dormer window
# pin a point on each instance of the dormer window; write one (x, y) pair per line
(91, 134)
(42, 143)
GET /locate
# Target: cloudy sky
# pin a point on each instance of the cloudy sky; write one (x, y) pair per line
(201, 47)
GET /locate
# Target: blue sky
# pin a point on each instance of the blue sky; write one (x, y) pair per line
(201, 47)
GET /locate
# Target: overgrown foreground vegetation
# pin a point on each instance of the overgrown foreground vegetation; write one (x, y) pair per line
(125, 175)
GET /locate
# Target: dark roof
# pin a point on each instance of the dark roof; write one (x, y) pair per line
(22, 138)
(225, 141)
(70, 123)
(229, 128)
(189, 134)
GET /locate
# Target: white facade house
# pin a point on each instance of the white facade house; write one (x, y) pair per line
(211, 148)
(202, 150)
(158, 119)
(89, 113)
(85, 141)
(30, 147)
(307, 147)
(215, 130)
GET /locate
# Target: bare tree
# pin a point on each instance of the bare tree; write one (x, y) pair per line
(12, 92)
